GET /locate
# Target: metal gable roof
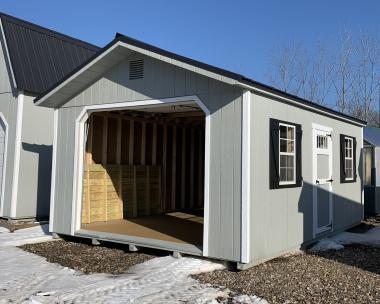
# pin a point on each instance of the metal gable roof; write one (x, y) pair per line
(372, 136)
(41, 57)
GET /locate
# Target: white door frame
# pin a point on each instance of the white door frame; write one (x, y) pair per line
(321, 129)
(80, 143)
(2, 118)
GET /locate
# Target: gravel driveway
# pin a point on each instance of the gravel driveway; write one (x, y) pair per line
(87, 258)
(351, 275)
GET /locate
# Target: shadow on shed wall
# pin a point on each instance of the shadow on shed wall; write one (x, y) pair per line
(44, 153)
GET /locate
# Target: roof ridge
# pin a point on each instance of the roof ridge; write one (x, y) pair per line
(46, 31)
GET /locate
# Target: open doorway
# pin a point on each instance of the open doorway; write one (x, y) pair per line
(144, 173)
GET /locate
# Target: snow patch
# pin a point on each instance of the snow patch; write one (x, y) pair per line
(325, 245)
(4, 230)
(26, 236)
(29, 279)
(245, 299)
(337, 242)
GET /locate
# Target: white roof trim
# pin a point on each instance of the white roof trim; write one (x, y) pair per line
(6, 52)
(194, 69)
(141, 51)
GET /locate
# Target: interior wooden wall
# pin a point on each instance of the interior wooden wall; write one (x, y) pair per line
(142, 163)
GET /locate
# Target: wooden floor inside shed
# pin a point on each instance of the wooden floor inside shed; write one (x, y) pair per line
(177, 227)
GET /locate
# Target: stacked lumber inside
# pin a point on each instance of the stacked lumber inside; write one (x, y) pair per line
(140, 163)
(120, 191)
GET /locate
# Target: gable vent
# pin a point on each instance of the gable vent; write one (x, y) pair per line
(136, 69)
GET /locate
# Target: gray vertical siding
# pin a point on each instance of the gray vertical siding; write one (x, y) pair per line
(33, 197)
(282, 219)
(163, 80)
(8, 107)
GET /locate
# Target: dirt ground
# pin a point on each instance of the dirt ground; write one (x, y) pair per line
(81, 255)
(351, 275)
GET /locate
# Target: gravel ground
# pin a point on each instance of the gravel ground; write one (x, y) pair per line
(82, 256)
(351, 275)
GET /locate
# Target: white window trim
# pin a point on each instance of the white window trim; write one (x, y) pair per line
(350, 158)
(293, 182)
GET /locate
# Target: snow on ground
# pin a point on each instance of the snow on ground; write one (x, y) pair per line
(3, 230)
(28, 278)
(23, 236)
(337, 242)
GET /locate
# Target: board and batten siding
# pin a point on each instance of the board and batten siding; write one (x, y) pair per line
(8, 107)
(163, 80)
(33, 198)
(282, 219)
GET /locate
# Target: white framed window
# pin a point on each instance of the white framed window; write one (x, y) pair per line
(349, 158)
(322, 142)
(287, 154)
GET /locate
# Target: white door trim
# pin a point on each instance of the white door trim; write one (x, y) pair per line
(2, 118)
(316, 128)
(79, 153)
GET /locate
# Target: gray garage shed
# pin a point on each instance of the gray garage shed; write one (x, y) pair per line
(371, 165)
(155, 149)
(32, 59)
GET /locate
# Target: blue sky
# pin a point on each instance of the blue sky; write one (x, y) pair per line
(237, 35)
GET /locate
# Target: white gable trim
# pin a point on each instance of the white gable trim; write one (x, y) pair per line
(194, 69)
(6, 51)
(141, 51)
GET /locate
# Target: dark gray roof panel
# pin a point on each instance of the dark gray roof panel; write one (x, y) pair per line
(372, 135)
(41, 57)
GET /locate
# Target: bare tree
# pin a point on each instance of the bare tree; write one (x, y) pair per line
(348, 79)
(365, 88)
(319, 80)
(287, 61)
(296, 73)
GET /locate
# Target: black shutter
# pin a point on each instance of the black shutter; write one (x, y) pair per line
(274, 177)
(342, 159)
(298, 156)
(354, 161)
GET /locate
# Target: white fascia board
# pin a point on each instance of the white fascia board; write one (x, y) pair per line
(144, 52)
(300, 104)
(75, 75)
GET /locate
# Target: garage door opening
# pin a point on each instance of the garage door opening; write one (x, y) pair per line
(144, 173)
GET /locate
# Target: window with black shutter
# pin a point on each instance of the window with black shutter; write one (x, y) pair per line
(347, 159)
(285, 164)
